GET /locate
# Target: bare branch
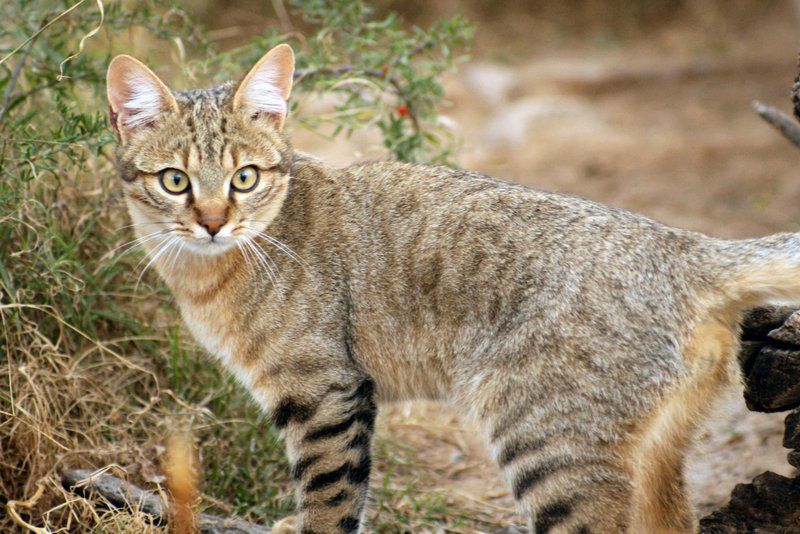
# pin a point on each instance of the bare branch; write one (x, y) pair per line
(785, 124)
(119, 493)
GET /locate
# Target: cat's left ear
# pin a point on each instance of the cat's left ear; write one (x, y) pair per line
(264, 92)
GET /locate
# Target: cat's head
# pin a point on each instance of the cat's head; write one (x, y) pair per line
(204, 168)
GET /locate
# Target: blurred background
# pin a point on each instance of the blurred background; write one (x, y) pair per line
(642, 104)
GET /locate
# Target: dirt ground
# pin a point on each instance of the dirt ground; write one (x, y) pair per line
(660, 124)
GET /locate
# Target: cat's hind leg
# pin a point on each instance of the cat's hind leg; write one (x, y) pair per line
(563, 488)
(657, 452)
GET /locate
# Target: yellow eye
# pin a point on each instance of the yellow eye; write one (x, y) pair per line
(174, 181)
(245, 179)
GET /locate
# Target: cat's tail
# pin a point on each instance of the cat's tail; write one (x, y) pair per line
(179, 466)
(761, 271)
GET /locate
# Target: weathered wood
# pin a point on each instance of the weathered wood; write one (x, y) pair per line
(787, 126)
(758, 322)
(791, 436)
(789, 331)
(770, 359)
(122, 494)
(119, 493)
(773, 384)
(768, 504)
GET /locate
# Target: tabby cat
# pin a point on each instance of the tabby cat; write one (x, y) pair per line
(587, 341)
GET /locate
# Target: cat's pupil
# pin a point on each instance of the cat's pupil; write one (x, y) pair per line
(176, 178)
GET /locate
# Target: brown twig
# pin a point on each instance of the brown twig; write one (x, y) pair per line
(122, 494)
(785, 124)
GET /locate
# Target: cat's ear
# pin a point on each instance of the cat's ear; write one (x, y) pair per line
(136, 95)
(264, 92)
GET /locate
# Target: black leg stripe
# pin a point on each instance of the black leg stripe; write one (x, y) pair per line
(360, 473)
(289, 410)
(367, 418)
(348, 524)
(517, 448)
(365, 390)
(337, 499)
(324, 480)
(551, 515)
(303, 464)
(360, 441)
(531, 476)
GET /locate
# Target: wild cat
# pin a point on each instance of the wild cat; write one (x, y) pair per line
(586, 340)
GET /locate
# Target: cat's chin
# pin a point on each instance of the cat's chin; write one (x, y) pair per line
(208, 247)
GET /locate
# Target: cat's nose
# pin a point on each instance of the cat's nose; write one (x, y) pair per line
(212, 218)
(213, 225)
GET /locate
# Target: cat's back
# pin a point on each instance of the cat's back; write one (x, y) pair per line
(469, 237)
(417, 193)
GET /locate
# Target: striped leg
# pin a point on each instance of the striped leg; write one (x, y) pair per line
(329, 448)
(563, 484)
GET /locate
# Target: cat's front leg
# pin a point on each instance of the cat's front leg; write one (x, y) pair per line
(328, 444)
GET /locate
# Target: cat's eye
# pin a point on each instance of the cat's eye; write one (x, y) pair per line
(174, 181)
(245, 179)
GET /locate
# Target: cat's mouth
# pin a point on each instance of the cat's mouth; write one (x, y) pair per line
(210, 245)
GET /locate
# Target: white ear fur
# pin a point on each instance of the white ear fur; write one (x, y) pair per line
(136, 95)
(266, 88)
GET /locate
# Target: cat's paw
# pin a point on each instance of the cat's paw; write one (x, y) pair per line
(287, 525)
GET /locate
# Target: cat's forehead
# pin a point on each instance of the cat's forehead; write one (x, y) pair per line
(204, 113)
(213, 98)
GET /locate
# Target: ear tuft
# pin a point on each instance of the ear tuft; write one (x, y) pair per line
(266, 88)
(136, 95)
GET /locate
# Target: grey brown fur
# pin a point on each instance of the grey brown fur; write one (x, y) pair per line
(587, 341)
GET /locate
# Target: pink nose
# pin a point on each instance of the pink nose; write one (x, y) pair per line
(212, 224)
(212, 217)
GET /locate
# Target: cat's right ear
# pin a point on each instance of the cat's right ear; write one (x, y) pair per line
(136, 95)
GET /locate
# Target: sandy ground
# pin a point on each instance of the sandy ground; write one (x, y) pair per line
(663, 126)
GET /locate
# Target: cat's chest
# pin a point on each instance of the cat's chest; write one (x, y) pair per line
(216, 331)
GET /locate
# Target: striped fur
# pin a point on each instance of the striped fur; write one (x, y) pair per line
(588, 341)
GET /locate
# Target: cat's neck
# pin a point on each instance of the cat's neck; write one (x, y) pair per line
(199, 277)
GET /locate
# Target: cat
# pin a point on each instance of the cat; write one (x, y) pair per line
(588, 342)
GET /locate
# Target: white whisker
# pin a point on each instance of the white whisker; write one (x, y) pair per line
(141, 224)
(172, 240)
(281, 246)
(139, 240)
(165, 238)
(259, 254)
(176, 256)
(244, 256)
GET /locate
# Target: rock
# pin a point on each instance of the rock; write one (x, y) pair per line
(759, 322)
(773, 383)
(490, 81)
(509, 125)
(771, 503)
(791, 437)
(789, 331)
